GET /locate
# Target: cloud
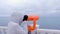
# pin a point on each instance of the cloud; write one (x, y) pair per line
(39, 7)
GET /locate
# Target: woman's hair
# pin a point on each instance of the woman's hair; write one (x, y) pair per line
(25, 17)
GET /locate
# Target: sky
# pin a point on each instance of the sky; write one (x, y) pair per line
(39, 7)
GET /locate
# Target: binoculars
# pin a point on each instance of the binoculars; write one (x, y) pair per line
(33, 18)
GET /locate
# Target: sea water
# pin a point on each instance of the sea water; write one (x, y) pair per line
(44, 22)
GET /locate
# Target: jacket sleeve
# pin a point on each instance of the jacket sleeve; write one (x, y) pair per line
(20, 30)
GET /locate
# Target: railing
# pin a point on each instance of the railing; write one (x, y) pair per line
(3, 30)
(48, 31)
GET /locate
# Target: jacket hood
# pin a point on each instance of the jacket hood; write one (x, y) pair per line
(17, 17)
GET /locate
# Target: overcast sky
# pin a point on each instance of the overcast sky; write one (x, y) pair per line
(39, 7)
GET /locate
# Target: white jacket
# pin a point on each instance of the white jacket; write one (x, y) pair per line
(14, 26)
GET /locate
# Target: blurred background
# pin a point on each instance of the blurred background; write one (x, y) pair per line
(48, 11)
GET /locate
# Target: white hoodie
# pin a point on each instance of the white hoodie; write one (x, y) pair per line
(14, 26)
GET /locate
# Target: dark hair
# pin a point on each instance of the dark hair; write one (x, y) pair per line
(25, 17)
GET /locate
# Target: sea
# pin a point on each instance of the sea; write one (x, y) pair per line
(44, 22)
